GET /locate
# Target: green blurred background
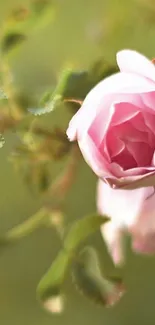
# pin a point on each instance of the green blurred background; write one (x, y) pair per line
(82, 31)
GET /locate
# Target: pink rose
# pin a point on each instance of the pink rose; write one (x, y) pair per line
(132, 211)
(115, 126)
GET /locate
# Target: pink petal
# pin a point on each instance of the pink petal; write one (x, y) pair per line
(145, 122)
(94, 158)
(143, 231)
(100, 125)
(72, 129)
(153, 160)
(134, 62)
(125, 159)
(113, 144)
(149, 121)
(122, 206)
(139, 123)
(146, 219)
(148, 99)
(133, 211)
(133, 174)
(132, 178)
(113, 238)
(144, 244)
(123, 112)
(127, 132)
(141, 152)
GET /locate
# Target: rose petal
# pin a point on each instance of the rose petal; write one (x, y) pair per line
(139, 123)
(144, 244)
(143, 231)
(125, 159)
(141, 152)
(148, 99)
(153, 160)
(94, 158)
(133, 178)
(123, 207)
(123, 112)
(143, 124)
(150, 121)
(134, 62)
(100, 125)
(114, 146)
(113, 238)
(72, 127)
(128, 133)
(131, 210)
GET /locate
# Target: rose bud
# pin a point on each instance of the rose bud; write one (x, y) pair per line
(115, 126)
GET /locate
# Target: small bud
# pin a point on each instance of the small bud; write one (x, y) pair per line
(54, 305)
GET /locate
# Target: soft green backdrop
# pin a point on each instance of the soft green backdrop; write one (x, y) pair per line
(83, 31)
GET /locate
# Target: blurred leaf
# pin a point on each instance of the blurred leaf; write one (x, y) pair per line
(2, 141)
(90, 281)
(50, 284)
(37, 177)
(72, 87)
(51, 99)
(101, 70)
(47, 109)
(3, 94)
(24, 21)
(11, 40)
(79, 83)
(43, 13)
(25, 228)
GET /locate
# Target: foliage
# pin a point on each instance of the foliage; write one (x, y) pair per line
(40, 149)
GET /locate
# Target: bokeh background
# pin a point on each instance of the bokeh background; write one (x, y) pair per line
(82, 32)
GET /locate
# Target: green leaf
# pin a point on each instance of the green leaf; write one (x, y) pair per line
(81, 229)
(90, 281)
(51, 284)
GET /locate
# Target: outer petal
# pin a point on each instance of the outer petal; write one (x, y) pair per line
(134, 62)
(94, 158)
(133, 179)
(132, 211)
(113, 236)
(143, 230)
(72, 128)
(121, 205)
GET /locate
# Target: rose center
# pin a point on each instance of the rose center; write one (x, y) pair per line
(129, 144)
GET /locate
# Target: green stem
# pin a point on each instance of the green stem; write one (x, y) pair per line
(25, 228)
